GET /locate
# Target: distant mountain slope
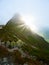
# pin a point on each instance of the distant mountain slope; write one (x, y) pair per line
(45, 33)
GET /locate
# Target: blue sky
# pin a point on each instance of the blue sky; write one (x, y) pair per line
(39, 9)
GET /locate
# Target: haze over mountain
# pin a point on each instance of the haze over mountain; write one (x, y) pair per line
(45, 33)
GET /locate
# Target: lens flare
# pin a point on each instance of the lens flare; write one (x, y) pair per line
(29, 22)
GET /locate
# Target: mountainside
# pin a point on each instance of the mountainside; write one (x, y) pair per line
(19, 29)
(34, 45)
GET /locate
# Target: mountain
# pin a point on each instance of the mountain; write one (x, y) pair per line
(36, 45)
(18, 28)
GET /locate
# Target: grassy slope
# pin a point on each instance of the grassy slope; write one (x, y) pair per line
(29, 38)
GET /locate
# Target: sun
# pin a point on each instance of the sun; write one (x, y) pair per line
(29, 21)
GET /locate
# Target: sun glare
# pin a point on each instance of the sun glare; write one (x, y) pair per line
(29, 21)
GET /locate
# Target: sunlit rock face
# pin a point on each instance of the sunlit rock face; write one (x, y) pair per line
(1, 26)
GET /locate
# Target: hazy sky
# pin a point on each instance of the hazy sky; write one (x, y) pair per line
(39, 9)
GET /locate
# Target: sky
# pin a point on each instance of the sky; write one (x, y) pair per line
(37, 9)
